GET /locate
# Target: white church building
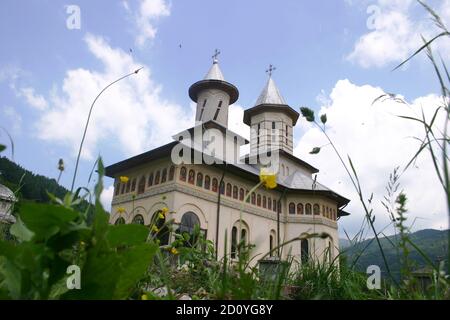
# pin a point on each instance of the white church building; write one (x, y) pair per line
(204, 181)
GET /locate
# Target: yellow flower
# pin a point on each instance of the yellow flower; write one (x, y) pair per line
(165, 211)
(121, 210)
(82, 243)
(124, 179)
(161, 216)
(268, 179)
(174, 251)
(144, 297)
(155, 228)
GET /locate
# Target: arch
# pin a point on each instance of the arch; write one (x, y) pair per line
(215, 184)
(157, 177)
(272, 242)
(171, 173)
(269, 203)
(150, 180)
(141, 185)
(228, 190)
(308, 209)
(241, 194)
(300, 208)
(274, 205)
(128, 186)
(133, 185)
(291, 208)
(258, 200)
(234, 242)
(240, 236)
(199, 179)
(264, 202)
(304, 251)
(316, 209)
(191, 177)
(138, 219)
(222, 188)
(235, 192)
(207, 184)
(164, 175)
(119, 220)
(195, 209)
(253, 196)
(183, 174)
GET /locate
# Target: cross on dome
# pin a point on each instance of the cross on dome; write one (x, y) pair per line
(215, 55)
(271, 70)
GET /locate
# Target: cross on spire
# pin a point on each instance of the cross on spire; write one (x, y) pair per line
(215, 55)
(270, 70)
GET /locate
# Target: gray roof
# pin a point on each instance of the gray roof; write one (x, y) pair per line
(270, 94)
(214, 73)
(298, 180)
(6, 194)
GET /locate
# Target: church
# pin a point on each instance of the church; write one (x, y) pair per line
(204, 181)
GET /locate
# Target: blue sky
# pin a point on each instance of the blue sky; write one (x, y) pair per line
(323, 50)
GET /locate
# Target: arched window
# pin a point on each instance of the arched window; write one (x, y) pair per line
(258, 200)
(128, 186)
(171, 173)
(162, 234)
(138, 219)
(235, 192)
(157, 177)
(304, 251)
(269, 203)
(228, 189)
(308, 209)
(183, 174)
(323, 210)
(164, 175)
(207, 182)
(253, 196)
(272, 243)
(330, 252)
(239, 240)
(222, 188)
(234, 232)
(264, 202)
(241, 194)
(141, 185)
(119, 221)
(189, 221)
(300, 208)
(316, 209)
(199, 179)
(214, 184)
(150, 180)
(133, 185)
(291, 208)
(280, 208)
(117, 189)
(123, 189)
(274, 205)
(287, 170)
(328, 213)
(191, 178)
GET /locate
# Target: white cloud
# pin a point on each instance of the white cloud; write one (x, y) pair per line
(145, 18)
(106, 198)
(14, 119)
(35, 100)
(395, 31)
(377, 141)
(131, 113)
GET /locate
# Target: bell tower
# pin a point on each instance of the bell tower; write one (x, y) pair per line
(213, 95)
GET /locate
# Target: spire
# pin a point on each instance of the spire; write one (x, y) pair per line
(270, 94)
(214, 72)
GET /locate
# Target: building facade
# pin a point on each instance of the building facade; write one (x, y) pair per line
(205, 181)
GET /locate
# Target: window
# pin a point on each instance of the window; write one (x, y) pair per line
(323, 210)
(157, 176)
(189, 221)
(316, 209)
(128, 186)
(191, 178)
(214, 185)
(222, 188)
(264, 202)
(164, 175)
(133, 185)
(228, 189)
(138, 219)
(308, 209)
(117, 189)
(218, 110)
(119, 221)
(271, 245)
(171, 173)
(272, 242)
(150, 180)
(241, 194)
(274, 207)
(183, 174)
(273, 125)
(235, 192)
(234, 242)
(253, 196)
(199, 179)
(203, 108)
(269, 203)
(300, 208)
(287, 170)
(291, 208)
(141, 185)
(207, 182)
(280, 210)
(258, 200)
(304, 251)
(123, 189)
(238, 240)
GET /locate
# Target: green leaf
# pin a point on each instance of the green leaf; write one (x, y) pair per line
(307, 113)
(2, 147)
(323, 118)
(315, 150)
(126, 234)
(20, 231)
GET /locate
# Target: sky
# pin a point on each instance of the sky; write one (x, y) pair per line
(335, 57)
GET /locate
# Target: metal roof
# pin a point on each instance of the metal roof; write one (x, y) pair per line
(270, 94)
(214, 72)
